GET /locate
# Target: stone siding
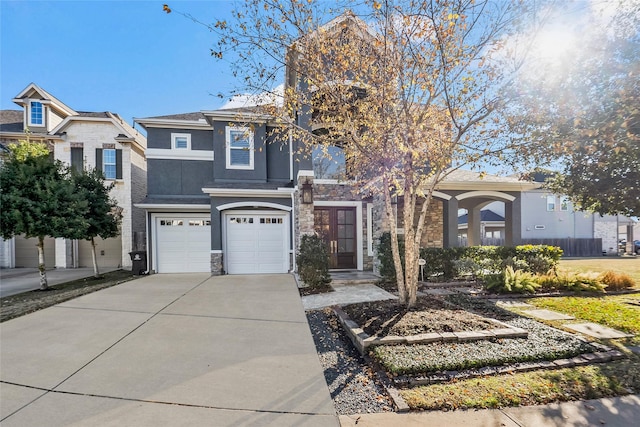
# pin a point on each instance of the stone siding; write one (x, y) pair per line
(217, 265)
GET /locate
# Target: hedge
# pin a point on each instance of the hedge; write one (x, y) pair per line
(447, 263)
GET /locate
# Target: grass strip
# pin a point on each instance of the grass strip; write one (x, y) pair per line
(615, 311)
(529, 388)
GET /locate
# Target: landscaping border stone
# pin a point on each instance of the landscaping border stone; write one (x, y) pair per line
(361, 340)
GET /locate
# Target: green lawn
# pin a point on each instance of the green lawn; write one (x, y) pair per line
(627, 265)
(528, 388)
(614, 311)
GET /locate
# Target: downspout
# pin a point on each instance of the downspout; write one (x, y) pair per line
(293, 205)
(293, 229)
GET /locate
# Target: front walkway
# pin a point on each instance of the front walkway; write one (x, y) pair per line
(167, 350)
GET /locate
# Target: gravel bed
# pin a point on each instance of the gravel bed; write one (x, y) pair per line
(353, 384)
(543, 343)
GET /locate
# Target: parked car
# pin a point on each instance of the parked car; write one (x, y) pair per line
(623, 246)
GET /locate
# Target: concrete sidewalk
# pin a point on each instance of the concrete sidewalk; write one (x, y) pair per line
(17, 280)
(612, 412)
(183, 349)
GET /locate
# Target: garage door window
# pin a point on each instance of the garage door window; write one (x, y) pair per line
(241, 220)
(199, 223)
(270, 220)
(171, 222)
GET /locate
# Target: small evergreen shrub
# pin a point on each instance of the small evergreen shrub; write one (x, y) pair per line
(313, 261)
(616, 281)
(385, 256)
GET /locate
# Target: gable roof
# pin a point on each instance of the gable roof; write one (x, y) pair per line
(11, 121)
(486, 215)
(33, 89)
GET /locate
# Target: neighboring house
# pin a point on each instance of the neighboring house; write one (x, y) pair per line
(100, 140)
(491, 225)
(549, 217)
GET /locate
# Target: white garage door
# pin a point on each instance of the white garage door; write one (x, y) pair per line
(183, 244)
(256, 243)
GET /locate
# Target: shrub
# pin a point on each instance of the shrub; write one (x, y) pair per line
(385, 256)
(512, 281)
(313, 261)
(570, 281)
(616, 281)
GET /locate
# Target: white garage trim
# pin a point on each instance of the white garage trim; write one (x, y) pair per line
(155, 217)
(256, 214)
(236, 205)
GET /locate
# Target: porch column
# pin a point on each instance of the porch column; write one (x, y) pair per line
(450, 223)
(474, 235)
(512, 222)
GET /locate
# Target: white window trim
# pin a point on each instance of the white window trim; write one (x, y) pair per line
(115, 164)
(564, 203)
(228, 131)
(44, 114)
(175, 136)
(370, 229)
(547, 199)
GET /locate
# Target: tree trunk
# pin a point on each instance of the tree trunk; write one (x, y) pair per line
(395, 248)
(94, 258)
(44, 285)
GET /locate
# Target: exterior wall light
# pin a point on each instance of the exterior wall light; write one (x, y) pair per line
(307, 193)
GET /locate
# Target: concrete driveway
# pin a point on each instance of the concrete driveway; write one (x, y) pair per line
(173, 349)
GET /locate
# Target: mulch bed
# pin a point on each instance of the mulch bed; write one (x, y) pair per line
(430, 314)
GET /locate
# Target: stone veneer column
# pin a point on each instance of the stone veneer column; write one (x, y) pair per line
(304, 221)
(379, 224)
(216, 264)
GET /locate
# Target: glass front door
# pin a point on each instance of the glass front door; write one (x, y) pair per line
(337, 228)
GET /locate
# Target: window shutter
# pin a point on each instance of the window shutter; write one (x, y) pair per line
(118, 164)
(77, 158)
(99, 159)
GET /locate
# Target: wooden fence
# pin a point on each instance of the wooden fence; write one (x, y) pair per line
(570, 247)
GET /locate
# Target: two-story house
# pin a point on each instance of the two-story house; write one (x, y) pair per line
(101, 140)
(226, 196)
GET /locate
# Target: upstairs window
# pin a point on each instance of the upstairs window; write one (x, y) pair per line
(180, 141)
(564, 203)
(109, 161)
(329, 162)
(551, 203)
(36, 113)
(239, 143)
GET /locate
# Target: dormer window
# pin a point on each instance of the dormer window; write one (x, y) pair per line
(180, 141)
(36, 113)
(239, 142)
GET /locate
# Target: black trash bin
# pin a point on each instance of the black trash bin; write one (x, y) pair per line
(139, 259)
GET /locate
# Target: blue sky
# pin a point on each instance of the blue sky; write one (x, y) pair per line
(127, 57)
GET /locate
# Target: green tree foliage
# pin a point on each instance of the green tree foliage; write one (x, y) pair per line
(102, 218)
(38, 199)
(587, 111)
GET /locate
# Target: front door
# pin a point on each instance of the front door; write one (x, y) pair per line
(337, 228)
